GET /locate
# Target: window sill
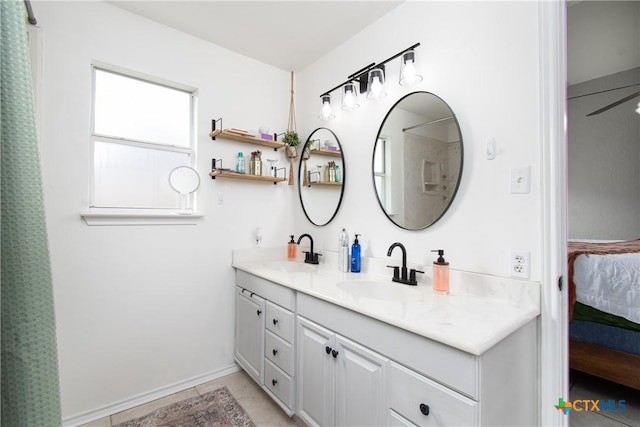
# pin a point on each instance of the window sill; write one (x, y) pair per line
(138, 217)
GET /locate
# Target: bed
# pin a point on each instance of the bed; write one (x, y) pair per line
(604, 309)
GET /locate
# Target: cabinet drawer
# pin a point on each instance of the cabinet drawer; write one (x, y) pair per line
(279, 352)
(278, 383)
(280, 321)
(409, 391)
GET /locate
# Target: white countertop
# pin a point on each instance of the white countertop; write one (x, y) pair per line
(479, 311)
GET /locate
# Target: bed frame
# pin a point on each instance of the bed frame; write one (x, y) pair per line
(613, 365)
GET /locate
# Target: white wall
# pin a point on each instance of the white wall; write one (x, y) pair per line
(482, 59)
(602, 38)
(604, 154)
(142, 308)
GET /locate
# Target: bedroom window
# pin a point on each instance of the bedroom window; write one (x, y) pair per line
(142, 128)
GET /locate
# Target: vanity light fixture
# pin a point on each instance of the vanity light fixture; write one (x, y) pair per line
(376, 83)
(326, 113)
(371, 80)
(350, 97)
(408, 73)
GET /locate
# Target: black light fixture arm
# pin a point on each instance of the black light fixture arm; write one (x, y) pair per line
(357, 76)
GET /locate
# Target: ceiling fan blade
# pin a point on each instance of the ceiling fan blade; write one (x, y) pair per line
(615, 104)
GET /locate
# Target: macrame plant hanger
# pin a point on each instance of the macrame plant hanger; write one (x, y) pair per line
(291, 127)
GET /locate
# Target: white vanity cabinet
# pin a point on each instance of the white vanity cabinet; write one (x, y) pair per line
(340, 382)
(250, 332)
(265, 336)
(414, 380)
(330, 364)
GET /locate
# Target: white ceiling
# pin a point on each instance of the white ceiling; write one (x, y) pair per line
(603, 36)
(286, 34)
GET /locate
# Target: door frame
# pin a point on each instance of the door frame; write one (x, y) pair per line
(553, 344)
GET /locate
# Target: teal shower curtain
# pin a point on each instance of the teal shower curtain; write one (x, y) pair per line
(30, 390)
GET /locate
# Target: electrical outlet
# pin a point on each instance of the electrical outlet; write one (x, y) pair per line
(519, 264)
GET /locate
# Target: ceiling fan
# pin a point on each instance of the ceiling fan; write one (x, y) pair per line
(616, 103)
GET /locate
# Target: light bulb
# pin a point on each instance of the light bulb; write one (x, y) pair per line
(376, 84)
(638, 108)
(326, 112)
(408, 73)
(350, 97)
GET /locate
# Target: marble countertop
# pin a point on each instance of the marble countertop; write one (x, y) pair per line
(479, 311)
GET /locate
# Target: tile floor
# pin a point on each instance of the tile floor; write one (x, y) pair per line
(258, 405)
(264, 412)
(584, 386)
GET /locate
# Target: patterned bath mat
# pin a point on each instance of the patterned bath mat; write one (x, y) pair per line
(217, 408)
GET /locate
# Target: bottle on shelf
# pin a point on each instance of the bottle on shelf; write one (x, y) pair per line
(240, 163)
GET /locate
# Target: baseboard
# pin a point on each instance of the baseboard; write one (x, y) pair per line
(143, 398)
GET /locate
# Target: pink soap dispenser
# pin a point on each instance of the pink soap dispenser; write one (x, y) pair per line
(440, 273)
(291, 248)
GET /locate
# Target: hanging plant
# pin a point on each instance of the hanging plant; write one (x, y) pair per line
(291, 138)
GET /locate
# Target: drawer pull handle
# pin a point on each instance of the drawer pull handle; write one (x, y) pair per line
(327, 349)
(275, 351)
(424, 409)
(334, 353)
(258, 312)
(274, 382)
(275, 321)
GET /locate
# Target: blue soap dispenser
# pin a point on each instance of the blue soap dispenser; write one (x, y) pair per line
(355, 256)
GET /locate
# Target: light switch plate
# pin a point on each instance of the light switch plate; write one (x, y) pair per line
(520, 180)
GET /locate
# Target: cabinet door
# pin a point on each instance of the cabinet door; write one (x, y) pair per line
(315, 374)
(360, 385)
(250, 333)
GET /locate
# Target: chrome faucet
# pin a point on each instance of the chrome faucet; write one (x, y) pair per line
(400, 275)
(310, 256)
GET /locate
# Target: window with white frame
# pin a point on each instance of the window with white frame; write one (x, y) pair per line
(142, 129)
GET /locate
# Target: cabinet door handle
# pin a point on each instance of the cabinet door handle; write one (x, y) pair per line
(274, 382)
(424, 409)
(275, 351)
(334, 353)
(259, 312)
(275, 321)
(327, 349)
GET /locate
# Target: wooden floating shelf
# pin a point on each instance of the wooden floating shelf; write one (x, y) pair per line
(327, 152)
(326, 184)
(246, 176)
(249, 139)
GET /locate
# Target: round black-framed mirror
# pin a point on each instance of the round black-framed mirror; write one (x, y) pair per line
(417, 160)
(321, 176)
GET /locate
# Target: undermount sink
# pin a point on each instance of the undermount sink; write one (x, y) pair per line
(385, 291)
(291, 266)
